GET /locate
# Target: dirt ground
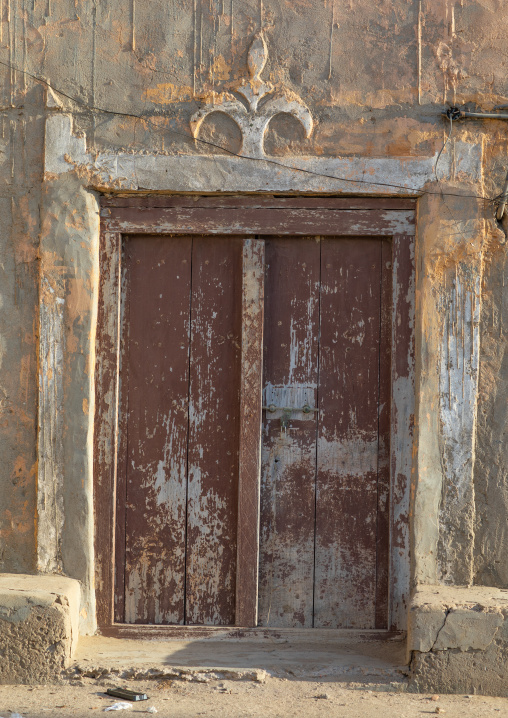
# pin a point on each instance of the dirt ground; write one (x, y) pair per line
(274, 698)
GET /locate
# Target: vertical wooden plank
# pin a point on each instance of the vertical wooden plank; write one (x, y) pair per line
(402, 422)
(157, 353)
(286, 573)
(383, 495)
(251, 390)
(346, 500)
(214, 405)
(122, 444)
(105, 421)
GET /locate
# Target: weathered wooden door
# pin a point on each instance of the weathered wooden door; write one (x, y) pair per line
(254, 410)
(325, 478)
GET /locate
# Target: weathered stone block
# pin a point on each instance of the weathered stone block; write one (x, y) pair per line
(38, 627)
(458, 640)
(468, 630)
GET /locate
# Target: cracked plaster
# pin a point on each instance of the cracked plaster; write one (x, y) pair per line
(118, 170)
(458, 640)
(464, 619)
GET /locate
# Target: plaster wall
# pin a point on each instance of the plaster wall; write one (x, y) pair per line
(375, 78)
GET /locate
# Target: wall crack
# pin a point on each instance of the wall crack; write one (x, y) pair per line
(448, 611)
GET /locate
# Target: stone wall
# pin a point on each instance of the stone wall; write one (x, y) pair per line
(128, 76)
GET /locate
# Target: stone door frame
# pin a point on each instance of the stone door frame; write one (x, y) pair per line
(446, 391)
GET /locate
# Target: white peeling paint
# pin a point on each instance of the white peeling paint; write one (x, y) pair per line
(337, 456)
(50, 502)
(458, 384)
(217, 173)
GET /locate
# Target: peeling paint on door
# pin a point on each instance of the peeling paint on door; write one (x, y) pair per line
(320, 483)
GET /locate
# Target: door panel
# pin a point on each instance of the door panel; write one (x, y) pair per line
(289, 455)
(347, 456)
(323, 555)
(214, 430)
(180, 394)
(155, 378)
(383, 457)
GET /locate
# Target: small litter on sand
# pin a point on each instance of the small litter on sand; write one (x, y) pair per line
(118, 707)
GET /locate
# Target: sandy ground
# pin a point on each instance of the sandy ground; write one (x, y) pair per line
(281, 674)
(274, 698)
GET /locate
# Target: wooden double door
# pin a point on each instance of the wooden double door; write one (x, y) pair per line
(252, 465)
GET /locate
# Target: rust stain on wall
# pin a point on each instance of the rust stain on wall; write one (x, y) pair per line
(167, 92)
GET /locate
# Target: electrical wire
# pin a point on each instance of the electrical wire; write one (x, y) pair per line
(190, 138)
(455, 113)
(442, 148)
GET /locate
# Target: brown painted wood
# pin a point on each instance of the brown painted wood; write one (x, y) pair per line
(295, 222)
(157, 356)
(383, 464)
(346, 500)
(289, 455)
(259, 201)
(251, 389)
(105, 422)
(214, 406)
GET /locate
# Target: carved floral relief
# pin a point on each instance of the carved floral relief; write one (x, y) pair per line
(263, 102)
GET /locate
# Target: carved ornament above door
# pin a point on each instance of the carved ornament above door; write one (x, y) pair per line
(254, 120)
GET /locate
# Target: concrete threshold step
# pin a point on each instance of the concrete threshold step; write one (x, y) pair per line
(322, 655)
